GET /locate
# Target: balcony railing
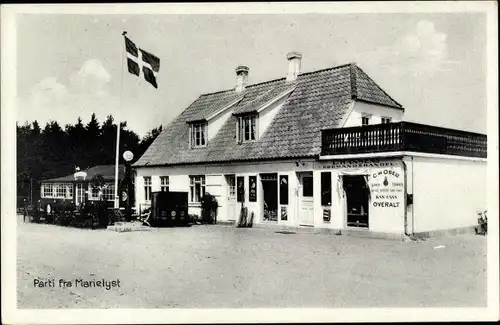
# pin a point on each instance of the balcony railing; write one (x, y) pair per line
(403, 136)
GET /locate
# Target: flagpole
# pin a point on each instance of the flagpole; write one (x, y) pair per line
(117, 160)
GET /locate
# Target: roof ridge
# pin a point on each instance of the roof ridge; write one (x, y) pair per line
(326, 69)
(282, 78)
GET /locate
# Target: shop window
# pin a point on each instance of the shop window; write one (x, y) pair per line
(196, 188)
(164, 183)
(240, 184)
(198, 135)
(326, 188)
(284, 189)
(147, 188)
(247, 128)
(252, 192)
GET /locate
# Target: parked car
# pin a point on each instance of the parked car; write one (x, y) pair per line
(169, 209)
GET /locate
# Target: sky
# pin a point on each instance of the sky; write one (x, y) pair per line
(73, 65)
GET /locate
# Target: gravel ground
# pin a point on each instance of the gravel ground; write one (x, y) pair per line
(227, 267)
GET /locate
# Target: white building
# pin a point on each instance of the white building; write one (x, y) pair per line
(325, 149)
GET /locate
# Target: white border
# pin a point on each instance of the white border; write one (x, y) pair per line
(8, 48)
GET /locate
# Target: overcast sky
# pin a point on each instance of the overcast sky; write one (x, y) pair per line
(71, 65)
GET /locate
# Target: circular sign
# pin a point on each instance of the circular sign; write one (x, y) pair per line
(124, 196)
(128, 155)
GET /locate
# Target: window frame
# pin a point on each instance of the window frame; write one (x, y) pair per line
(247, 128)
(108, 192)
(367, 118)
(147, 188)
(198, 134)
(385, 120)
(164, 183)
(196, 181)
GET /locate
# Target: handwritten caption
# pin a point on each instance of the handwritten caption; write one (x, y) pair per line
(77, 283)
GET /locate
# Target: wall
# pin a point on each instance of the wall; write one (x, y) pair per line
(447, 192)
(377, 112)
(216, 184)
(386, 203)
(382, 218)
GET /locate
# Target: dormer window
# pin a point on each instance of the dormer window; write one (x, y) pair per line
(198, 135)
(246, 128)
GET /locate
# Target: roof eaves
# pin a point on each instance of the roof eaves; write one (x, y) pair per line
(377, 103)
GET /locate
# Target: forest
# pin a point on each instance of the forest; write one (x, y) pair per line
(55, 151)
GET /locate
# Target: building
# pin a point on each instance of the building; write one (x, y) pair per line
(325, 149)
(77, 188)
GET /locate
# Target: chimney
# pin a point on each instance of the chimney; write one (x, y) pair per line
(241, 78)
(293, 65)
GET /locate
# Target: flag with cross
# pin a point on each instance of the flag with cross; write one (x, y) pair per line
(141, 62)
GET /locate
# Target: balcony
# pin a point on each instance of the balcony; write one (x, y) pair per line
(402, 136)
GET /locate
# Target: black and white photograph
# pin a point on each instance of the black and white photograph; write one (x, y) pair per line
(258, 162)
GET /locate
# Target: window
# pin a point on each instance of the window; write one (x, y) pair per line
(386, 120)
(164, 184)
(365, 119)
(307, 186)
(247, 128)
(231, 186)
(94, 192)
(283, 189)
(57, 190)
(60, 190)
(70, 191)
(108, 192)
(47, 190)
(198, 136)
(147, 188)
(196, 188)
(326, 188)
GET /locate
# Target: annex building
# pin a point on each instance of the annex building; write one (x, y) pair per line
(324, 149)
(75, 189)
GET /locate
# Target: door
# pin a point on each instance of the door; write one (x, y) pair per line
(306, 199)
(232, 205)
(79, 194)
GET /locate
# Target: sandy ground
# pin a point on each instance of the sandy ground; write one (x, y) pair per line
(227, 267)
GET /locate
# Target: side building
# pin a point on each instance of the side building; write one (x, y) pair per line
(77, 188)
(326, 149)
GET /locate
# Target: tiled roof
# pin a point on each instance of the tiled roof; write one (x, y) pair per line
(319, 100)
(107, 172)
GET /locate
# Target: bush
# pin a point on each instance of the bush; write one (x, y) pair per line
(209, 206)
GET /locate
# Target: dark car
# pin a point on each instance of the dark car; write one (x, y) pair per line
(169, 209)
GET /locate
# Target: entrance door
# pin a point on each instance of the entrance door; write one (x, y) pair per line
(79, 194)
(232, 206)
(357, 192)
(306, 199)
(270, 196)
